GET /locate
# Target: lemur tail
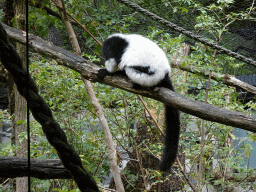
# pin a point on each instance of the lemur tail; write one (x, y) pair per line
(172, 132)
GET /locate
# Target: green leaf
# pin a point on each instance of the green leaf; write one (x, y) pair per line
(20, 122)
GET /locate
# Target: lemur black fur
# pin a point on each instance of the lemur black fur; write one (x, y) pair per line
(146, 65)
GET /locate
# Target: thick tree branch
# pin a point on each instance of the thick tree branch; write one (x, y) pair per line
(225, 79)
(89, 71)
(12, 167)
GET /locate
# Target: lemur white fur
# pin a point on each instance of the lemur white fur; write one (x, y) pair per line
(146, 65)
(141, 52)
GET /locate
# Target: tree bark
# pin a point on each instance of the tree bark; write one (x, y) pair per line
(20, 102)
(11, 167)
(8, 12)
(108, 136)
(8, 8)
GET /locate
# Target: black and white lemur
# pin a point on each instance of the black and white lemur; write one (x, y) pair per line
(146, 65)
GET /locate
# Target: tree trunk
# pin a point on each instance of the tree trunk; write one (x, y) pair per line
(20, 102)
(8, 8)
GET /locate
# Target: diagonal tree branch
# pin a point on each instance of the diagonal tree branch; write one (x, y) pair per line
(89, 71)
(95, 102)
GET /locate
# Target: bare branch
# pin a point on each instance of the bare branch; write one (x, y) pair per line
(93, 99)
(225, 79)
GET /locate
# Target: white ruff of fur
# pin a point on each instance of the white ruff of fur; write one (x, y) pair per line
(111, 65)
(143, 52)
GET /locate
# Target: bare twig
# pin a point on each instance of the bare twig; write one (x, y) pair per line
(5, 181)
(92, 23)
(249, 13)
(151, 116)
(186, 177)
(81, 26)
(141, 167)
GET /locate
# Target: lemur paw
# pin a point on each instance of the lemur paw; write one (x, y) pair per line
(136, 86)
(102, 73)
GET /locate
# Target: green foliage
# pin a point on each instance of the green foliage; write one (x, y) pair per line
(40, 21)
(72, 190)
(65, 93)
(7, 149)
(1, 15)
